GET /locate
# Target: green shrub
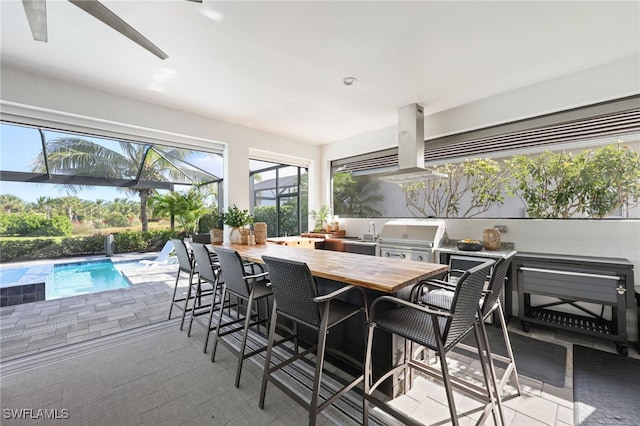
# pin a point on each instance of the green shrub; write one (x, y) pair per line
(116, 219)
(34, 225)
(49, 248)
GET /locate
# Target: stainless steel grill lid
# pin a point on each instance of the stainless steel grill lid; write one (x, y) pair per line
(413, 232)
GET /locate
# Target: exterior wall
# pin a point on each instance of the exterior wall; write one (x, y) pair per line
(609, 81)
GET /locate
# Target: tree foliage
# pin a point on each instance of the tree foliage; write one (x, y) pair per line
(470, 188)
(81, 157)
(187, 207)
(592, 183)
(356, 196)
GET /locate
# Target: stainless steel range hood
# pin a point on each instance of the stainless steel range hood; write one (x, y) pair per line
(410, 148)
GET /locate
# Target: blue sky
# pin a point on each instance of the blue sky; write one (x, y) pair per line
(20, 146)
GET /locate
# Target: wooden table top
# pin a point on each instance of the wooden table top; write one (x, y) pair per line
(376, 273)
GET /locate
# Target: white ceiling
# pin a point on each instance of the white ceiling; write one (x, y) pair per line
(278, 66)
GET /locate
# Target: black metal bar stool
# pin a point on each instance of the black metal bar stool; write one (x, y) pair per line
(437, 330)
(296, 298)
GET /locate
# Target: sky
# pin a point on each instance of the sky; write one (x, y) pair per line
(20, 146)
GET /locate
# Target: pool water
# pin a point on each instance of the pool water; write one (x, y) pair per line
(11, 276)
(83, 278)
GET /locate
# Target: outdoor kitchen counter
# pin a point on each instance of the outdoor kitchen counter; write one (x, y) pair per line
(494, 254)
(375, 273)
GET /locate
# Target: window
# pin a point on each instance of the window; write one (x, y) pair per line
(279, 197)
(87, 177)
(358, 193)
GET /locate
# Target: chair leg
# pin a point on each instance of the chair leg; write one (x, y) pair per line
(267, 360)
(199, 296)
(507, 342)
(175, 290)
(489, 375)
(367, 376)
(496, 398)
(247, 321)
(322, 341)
(215, 336)
(445, 372)
(213, 308)
(186, 300)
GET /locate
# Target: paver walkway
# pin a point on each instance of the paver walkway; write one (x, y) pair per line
(39, 326)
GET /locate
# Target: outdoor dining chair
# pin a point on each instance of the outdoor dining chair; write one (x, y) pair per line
(187, 264)
(209, 272)
(442, 297)
(296, 298)
(437, 330)
(251, 288)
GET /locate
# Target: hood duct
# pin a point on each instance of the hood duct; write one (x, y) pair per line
(410, 148)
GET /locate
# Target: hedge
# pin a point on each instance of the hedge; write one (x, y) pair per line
(34, 225)
(46, 248)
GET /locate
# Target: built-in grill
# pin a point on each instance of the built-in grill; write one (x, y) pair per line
(411, 239)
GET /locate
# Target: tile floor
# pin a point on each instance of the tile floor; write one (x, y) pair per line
(42, 328)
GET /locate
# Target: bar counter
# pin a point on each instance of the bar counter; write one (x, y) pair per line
(378, 276)
(374, 273)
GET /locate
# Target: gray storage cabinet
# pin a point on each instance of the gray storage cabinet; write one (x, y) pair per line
(566, 280)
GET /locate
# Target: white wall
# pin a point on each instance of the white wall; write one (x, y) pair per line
(606, 82)
(60, 101)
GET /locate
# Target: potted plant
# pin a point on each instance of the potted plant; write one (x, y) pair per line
(236, 219)
(321, 216)
(217, 227)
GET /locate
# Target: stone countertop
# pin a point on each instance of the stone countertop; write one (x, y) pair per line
(282, 240)
(506, 248)
(360, 242)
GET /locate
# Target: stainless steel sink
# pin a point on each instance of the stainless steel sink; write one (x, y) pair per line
(369, 237)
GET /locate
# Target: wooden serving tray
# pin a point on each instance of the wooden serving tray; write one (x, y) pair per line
(324, 234)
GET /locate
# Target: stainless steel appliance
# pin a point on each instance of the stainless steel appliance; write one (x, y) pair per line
(411, 239)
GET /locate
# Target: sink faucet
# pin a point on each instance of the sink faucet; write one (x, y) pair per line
(372, 225)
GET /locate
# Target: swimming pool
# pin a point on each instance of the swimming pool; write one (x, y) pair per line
(55, 281)
(72, 279)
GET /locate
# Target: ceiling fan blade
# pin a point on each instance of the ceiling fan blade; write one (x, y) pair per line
(36, 11)
(100, 12)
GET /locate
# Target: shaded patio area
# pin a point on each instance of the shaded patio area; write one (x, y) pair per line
(113, 358)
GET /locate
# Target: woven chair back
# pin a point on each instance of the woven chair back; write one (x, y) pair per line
(203, 260)
(497, 281)
(184, 260)
(232, 270)
(466, 299)
(294, 288)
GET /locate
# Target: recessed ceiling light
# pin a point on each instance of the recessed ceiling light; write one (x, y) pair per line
(349, 81)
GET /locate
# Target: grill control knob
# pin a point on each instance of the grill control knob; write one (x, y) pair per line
(403, 255)
(419, 258)
(387, 254)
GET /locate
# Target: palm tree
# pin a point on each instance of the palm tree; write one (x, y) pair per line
(81, 157)
(187, 207)
(357, 197)
(11, 203)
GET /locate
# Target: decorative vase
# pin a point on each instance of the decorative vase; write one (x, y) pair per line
(234, 235)
(491, 239)
(217, 236)
(244, 236)
(260, 231)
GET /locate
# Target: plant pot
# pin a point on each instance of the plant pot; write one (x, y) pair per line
(234, 235)
(217, 236)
